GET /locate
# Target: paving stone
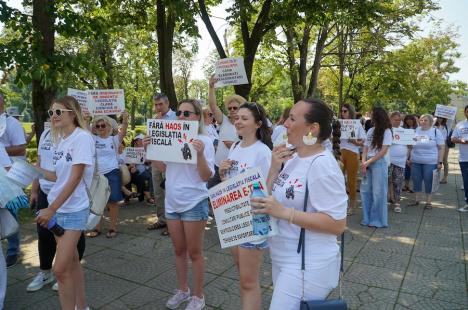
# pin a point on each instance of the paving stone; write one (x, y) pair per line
(137, 246)
(440, 239)
(391, 244)
(218, 263)
(116, 305)
(438, 252)
(223, 293)
(143, 296)
(18, 298)
(435, 268)
(414, 302)
(378, 258)
(374, 276)
(167, 281)
(265, 274)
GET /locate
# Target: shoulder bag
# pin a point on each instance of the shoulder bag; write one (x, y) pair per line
(99, 191)
(8, 224)
(332, 304)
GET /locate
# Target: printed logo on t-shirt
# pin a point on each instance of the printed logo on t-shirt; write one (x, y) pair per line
(47, 145)
(57, 156)
(68, 157)
(100, 145)
(280, 180)
(291, 187)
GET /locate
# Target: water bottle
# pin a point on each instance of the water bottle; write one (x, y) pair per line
(260, 222)
(55, 228)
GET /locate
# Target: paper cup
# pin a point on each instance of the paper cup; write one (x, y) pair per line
(23, 173)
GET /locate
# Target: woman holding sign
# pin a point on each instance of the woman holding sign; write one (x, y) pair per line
(254, 150)
(427, 155)
(187, 209)
(309, 167)
(107, 147)
(68, 200)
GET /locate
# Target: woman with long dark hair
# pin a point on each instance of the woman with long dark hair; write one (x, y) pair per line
(409, 122)
(374, 168)
(253, 150)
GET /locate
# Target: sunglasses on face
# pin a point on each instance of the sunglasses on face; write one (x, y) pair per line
(233, 108)
(344, 111)
(185, 113)
(58, 112)
(99, 126)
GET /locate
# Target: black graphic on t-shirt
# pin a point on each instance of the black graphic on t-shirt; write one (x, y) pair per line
(68, 157)
(290, 190)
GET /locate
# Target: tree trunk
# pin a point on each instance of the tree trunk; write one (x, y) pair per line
(341, 60)
(165, 26)
(293, 71)
(43, 43)
(133, 107)
(319, 47)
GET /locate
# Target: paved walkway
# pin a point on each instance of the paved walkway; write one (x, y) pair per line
(419, 262)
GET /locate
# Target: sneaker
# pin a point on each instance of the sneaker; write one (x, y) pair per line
(178, 298)
(55, 287)
(11, 260)
(41, 279)
(464, 209)
(196, 303)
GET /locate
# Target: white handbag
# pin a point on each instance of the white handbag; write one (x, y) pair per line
(99, 191)
(8, 224)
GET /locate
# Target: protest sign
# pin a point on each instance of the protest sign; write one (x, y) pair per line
(231, 207)
(350, 129)
(435, 181)
(171, 140)
(404, 136)
(106, 101)
(230, 71)
(135, 155)
(81, 96)
(444, 111)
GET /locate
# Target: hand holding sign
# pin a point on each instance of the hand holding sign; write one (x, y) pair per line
(230, 71)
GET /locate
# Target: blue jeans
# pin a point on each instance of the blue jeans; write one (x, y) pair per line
(420, 173)
(374, 189)
(464, 172)
(13, 241)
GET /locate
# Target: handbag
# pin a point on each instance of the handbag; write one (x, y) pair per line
(99, 192)
(8, 224)
(332, 304)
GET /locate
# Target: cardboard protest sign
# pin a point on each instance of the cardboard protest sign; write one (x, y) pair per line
(106, 101)
(230, 71)
(435, 181)
(404, 136)
(171, 140)
(444, 111)
(81, 96)
(231, 207)
(135, 155)
(350, 129)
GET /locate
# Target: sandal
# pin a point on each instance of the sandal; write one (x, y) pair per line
(111, 234)
(150, 201)
(350, 212)
(397, 209)
(165, 232)
(156, 225)
(428, 206)
(413, 204)
(93, 233)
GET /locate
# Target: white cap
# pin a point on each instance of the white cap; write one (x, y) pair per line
(140, 136)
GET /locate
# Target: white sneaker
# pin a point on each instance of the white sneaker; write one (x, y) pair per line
(41, 279)
(55, 287)
(196, 303)
(178, 298)
(464, 209)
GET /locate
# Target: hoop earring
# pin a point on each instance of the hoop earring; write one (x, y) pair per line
(309, 139)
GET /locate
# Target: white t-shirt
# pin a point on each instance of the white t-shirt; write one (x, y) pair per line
(227, 132)
(387, 140)
(107, 149)
(255, 155)
(398, 154)
(345, 145)
(444, 131)
(279, 131)
(13, 135)
(425, 150)
(327, 194)
(45, 150)
(212, 132)
(185, 188)
(5, 160)
(461, 132)
(78, 148)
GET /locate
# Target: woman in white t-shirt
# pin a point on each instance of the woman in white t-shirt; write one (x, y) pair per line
(279, 131)
(426, 156)
(107, 147)
(254, 150)
(314, 167)
(442, 125)
(73, 162)
(396, 174)
(186, 205)
(374, 169)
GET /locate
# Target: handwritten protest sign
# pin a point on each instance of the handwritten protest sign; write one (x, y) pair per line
(81, 96)
(404, 136)
(435, 180)
(231, 207)
(444, 111)
(351, 129)
(171, 140)
(106, 101)
(230, 71)
(135, 155)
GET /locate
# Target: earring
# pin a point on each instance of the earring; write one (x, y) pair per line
(309, 139)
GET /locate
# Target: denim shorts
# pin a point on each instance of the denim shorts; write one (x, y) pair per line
(253, 246)
(197, 213)
(115, 184)
(74, 220)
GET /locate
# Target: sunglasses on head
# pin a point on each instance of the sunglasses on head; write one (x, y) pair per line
(185, 113)
(99, 126)
(233, 108)
(57, 112)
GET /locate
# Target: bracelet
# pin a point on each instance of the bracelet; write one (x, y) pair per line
(291, 215)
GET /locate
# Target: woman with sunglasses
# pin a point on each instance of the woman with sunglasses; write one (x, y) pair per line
(209, 127)
(73, 162)
(227, 131)
(254, 150)
(187, 209)
(349, 149)
(107, 147)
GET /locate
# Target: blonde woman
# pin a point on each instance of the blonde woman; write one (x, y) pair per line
(73, 162)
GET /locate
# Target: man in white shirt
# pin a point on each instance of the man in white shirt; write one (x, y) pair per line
(460, 136)
(13, 138)
(163, 111)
